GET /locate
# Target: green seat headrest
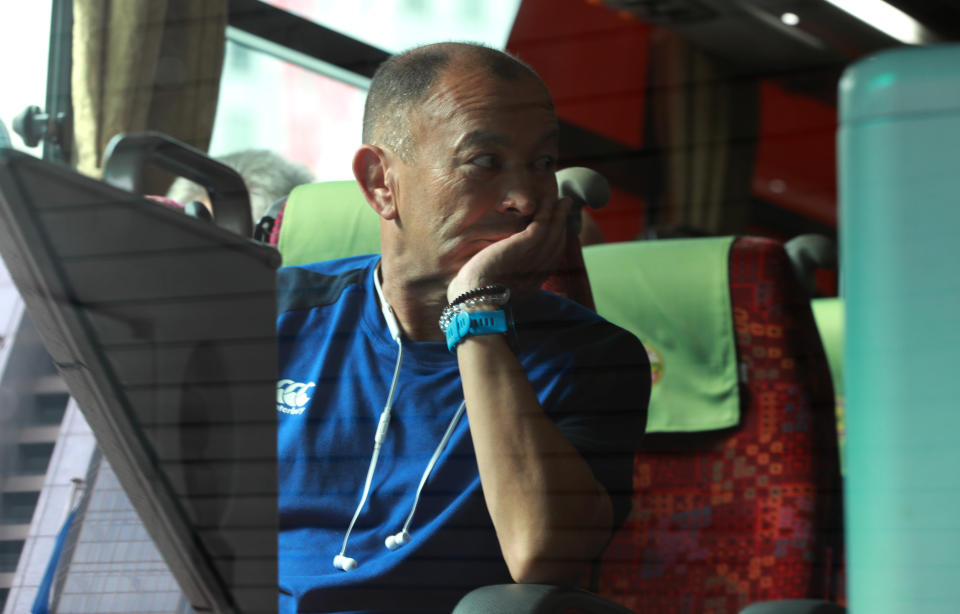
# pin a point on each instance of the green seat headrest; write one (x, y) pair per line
(325, 221)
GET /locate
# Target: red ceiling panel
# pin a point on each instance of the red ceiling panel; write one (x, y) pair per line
(593, 59)
(796, 154)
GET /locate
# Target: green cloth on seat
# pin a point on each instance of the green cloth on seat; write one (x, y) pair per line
(830, 317)
(828, 312)
(324, 221)
(675, 296)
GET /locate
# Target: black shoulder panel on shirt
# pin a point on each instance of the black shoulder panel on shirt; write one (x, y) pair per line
(299, 288)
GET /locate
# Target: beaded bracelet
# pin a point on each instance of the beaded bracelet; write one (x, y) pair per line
(496, 290)
(451, 310)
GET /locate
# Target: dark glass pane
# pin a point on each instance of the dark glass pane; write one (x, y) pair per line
(17, 507)
(49, 408)
(9, 555)
(33, 458)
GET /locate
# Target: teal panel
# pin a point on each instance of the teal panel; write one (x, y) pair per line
(902, 81)
(900, 215)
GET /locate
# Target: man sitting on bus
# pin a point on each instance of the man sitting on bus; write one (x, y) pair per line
(444, 424)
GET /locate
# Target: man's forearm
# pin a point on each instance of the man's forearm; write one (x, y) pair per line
(550, 514)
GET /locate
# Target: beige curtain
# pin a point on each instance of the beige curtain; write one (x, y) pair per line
(703, 121)
(145, 65)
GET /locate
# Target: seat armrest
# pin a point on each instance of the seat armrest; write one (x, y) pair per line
(534, 599)
(794, 606)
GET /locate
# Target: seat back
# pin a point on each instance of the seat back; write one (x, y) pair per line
(725, 518)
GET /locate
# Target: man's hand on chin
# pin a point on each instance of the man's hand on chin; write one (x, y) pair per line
(521, 261)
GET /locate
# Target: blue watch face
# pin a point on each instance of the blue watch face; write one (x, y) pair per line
(462, 322)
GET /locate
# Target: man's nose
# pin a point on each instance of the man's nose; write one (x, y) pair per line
(522, 193)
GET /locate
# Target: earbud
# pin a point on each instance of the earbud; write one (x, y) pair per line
(395, 541)
(344, 563)
(385, 307)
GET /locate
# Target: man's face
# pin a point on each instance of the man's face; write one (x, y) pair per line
(484, 153)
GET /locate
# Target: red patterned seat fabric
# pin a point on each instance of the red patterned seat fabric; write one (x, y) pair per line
(721, 520)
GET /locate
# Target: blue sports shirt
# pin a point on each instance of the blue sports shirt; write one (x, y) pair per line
(337, 360)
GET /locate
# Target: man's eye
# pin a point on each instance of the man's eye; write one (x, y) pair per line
(485, 161)
(545, 163)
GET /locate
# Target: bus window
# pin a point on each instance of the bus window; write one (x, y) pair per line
(271, 97)
(24, 45)
(404, 24)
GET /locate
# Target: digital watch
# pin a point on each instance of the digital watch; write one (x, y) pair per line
(465, 324)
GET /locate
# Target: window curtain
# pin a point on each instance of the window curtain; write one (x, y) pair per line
(703, 126)
(143, 65)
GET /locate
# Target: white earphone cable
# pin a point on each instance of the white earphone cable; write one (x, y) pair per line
(382, 427)
(342, 561)
(395, 541)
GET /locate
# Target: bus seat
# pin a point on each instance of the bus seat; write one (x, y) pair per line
(725, 518)
(329, 220)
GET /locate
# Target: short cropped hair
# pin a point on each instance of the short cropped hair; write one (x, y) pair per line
(404, 80)
(267, 175)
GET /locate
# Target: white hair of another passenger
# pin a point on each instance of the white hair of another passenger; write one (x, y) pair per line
(267, 175)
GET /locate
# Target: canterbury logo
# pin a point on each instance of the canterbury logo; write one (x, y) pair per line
(292, 397)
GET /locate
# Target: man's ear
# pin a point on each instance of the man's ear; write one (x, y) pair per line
(371, 167)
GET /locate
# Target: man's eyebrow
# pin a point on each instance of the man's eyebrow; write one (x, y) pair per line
(481, 138)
